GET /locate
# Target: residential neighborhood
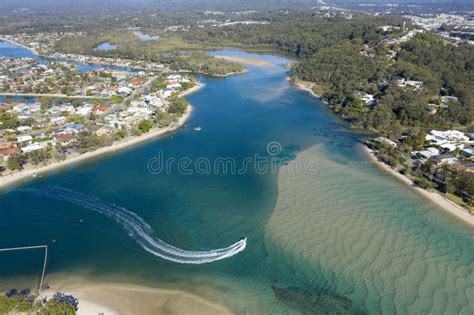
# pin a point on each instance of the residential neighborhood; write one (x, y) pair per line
(42, 129)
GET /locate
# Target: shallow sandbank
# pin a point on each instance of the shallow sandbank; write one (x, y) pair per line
(246, 60)
(441, 201)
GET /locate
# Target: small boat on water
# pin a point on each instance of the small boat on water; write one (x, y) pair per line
(198, 128)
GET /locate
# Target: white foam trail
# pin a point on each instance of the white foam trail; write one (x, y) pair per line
(139, 230)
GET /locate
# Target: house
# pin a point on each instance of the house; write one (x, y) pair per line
(75, 128)
(105, 131)
(425, 154)
(447, 99)
(440, 137)
(58, 120)
(124, 91)
(138, 81)
(24, 140)
(34, 147)
(63, 139)
(84, 110)
(7, 145)
(445, 159)
(5, 153)
(369, 99)
(98, 109)
(468, 151)
(416, 85)
(385, 142)
(24, 129)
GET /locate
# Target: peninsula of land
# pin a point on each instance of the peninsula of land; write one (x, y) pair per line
(31, 171)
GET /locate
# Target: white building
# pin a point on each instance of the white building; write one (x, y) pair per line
(33, 147)
(58, 120)
(24, 140)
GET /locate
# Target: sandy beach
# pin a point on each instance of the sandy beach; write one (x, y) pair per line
(244, 60)
(306, 86)
(127, 299)
(30, 170)
(441, 201)
(190, 91)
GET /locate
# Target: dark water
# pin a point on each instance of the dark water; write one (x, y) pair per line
(239, 117)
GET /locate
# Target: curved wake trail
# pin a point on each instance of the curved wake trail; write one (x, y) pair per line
(139, 230)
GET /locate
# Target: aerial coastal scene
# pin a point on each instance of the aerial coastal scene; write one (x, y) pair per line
(234, 157)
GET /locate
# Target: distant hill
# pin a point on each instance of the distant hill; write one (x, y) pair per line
(140, 5)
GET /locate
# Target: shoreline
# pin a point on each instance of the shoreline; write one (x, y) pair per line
(436, 198)
(74, 59)
(192, 90)
(34, 51)
(305, 86)
(122, 298)
(27, 173)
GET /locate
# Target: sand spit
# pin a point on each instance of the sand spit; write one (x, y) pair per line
(366, 238)
(245, 60)
(124, 299)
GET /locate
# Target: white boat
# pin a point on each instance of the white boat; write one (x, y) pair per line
(198, 128)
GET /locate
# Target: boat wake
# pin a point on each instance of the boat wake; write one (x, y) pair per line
(139, 230)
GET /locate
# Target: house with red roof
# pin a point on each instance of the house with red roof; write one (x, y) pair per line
(5, 153)
(138, 81)
(64, 139)
(99, 109)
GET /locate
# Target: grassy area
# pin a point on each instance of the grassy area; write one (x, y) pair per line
(128, 44)
(458, 200)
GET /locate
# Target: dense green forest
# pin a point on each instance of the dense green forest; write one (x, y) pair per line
(346, 54)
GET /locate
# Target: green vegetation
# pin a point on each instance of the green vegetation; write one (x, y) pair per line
(178, 106)
(15, 304)
(91, 142)
(116, 99)
(53, 307)
(202, 63)
(130, 47)
(145, 126)
(22, 302)
(16, 161)
(163, 119)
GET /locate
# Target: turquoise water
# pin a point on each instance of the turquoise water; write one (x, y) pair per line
(348, 254)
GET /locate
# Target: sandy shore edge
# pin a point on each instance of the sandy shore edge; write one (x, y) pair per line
(305, 86)
(27, 173)
(436, 198)
(118, 298)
